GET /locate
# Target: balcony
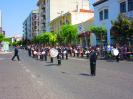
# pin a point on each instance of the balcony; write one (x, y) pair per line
(129, 14)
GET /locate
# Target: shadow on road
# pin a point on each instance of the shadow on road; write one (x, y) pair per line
(51, 65)
(84, 74)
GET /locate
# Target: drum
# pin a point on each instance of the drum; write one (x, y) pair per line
(65, 52)
(115, 52)
(35, 52)
(43, 52)
(53, 52)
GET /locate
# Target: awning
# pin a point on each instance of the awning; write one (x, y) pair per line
(84, 34)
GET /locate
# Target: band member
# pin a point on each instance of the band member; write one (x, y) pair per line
(59, 56)
(46, 54)
(93, 62)
(118, 55)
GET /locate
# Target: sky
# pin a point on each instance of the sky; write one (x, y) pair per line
(14, 12)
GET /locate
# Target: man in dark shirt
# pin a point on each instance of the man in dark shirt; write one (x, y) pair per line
(93, 58)
(16, 54)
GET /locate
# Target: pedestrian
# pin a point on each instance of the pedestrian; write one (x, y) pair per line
(16, 53)
(29, 50)
(93, 58)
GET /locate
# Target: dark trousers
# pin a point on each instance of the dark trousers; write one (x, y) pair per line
(51, 59)
(93, 68)
(29, 52)
(117, 58)
(45, 57)
(16, 56)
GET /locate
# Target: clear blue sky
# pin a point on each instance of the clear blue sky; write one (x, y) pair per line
(14, 12)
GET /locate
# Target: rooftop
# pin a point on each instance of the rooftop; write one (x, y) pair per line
(99, 2)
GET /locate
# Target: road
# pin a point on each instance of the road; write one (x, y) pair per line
(35, 79)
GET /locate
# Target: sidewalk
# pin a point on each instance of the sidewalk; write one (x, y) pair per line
(1, 52)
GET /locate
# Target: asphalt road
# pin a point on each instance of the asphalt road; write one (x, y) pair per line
(35, 79)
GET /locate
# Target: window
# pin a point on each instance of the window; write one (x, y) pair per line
(130, 5)
(101, 15)
(67, 22)
(106, 14)
(123, 7)
(61, 22)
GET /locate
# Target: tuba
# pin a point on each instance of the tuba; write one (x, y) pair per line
(114, 52)
(53, 52)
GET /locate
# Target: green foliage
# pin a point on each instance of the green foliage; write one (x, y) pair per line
(7, 40)
(122, 29)
(46, 38)
(68, 33)
(98, 30)
(14, 43)
(1, 37)
(17, 43)
(52, 38)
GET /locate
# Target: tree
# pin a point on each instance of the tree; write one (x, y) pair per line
(52, 38)
(121, 29)
(1, 37)
(46, 38)
(69, 34)
(99, 31)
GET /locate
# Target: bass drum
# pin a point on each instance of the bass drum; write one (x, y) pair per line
(115, 52)
(53, 52)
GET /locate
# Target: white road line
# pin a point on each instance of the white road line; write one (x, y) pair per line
(33, 76)
(27, 70)
(40, 82)
(24, 67)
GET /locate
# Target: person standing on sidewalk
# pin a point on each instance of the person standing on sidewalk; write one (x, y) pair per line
(16, 53)
(93, 58)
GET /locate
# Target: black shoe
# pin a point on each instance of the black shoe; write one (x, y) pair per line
(92, 74)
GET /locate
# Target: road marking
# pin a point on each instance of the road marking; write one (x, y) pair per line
(27, 70)
(33, 76)
(40, 82)
(4, 58)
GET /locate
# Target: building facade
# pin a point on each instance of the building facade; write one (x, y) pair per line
(74, 18)
(31, 25)
(50, 9)
(106, 11)
(82, 19)
(0, 22)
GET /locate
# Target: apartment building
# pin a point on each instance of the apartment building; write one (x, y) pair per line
(82, 17)
(30, 26)
(50, 9)
(0, 22)
(107, 10)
